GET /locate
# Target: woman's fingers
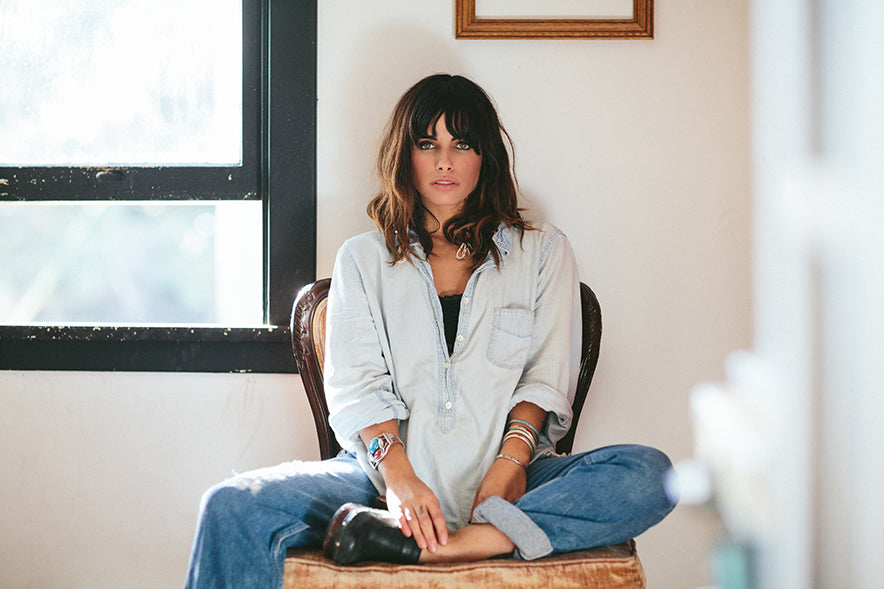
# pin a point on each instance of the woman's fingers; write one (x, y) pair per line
(411, 526)
(439, 525)
(423, 532)
(426, 527)
(419, 511)
(426, 524)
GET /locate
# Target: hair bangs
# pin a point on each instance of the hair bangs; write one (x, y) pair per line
(464, 116)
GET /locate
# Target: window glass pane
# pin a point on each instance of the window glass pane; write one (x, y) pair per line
(120, 82)
(163, 263)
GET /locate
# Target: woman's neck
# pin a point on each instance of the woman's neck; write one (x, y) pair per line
(437, 217)
(450, 271)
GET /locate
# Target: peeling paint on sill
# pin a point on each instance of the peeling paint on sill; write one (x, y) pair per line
(121, 333)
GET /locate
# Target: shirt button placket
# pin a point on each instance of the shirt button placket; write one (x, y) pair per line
(448, 404)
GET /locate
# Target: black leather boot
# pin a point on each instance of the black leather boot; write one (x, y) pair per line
(358, 533)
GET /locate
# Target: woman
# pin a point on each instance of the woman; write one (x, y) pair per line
(451, 358)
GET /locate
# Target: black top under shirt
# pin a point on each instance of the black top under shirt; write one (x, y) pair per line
(450, 315)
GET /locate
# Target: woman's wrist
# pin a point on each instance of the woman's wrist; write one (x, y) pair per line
(521, 435)
(395, 465)
(517, 449)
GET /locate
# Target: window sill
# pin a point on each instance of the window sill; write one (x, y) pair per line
(264, 349)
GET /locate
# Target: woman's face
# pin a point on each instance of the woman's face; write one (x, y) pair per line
(445, 171)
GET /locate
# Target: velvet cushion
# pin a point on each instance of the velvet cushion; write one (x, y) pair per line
(609, 567)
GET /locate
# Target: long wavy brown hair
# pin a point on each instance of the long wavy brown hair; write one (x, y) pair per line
(471, 117)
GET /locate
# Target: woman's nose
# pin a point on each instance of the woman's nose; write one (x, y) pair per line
(444, 162)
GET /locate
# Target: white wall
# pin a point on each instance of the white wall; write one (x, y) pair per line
(638, 150)
(102, 473)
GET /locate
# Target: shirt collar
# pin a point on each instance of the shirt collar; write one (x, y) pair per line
(502, 239)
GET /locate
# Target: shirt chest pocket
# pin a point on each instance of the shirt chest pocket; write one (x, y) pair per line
(510, 337)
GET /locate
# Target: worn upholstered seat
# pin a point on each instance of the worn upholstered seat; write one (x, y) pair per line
(608, 567)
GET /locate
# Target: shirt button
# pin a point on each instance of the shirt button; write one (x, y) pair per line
(459, 338)
(448, 405)
(447, 365)
(466, 299)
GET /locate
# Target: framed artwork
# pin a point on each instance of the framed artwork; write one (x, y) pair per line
(554, 19)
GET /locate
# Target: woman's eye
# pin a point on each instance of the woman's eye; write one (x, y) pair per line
(425, 145)
(463, 146)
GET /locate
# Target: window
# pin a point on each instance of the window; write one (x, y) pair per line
(172, 195)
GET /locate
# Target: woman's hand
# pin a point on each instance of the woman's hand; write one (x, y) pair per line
(505, 479)
(419, 511)
(408, 497)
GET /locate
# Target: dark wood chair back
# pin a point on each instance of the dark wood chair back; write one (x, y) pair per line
(308, 346)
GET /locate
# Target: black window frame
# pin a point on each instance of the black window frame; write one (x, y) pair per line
(279, 93)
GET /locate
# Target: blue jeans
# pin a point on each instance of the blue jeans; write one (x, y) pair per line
(247, 523)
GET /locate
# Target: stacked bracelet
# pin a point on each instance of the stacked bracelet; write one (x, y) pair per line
(528, 424)
(519, 429)
(520, 433)
(511, 458)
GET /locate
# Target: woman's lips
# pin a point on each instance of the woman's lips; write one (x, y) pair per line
(444, 184)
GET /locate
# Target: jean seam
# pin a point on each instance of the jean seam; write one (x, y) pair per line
(280, 539)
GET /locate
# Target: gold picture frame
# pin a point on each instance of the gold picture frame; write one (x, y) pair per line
(640, 26)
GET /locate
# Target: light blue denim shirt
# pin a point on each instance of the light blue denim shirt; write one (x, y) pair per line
(518, 339)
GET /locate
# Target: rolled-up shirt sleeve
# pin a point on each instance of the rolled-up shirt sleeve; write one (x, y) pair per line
(550, 374)
(358, 386)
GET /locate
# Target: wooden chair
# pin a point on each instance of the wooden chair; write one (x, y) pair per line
(609, 567)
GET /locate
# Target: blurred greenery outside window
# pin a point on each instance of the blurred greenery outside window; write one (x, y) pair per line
(134, 164)
(170, 263)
